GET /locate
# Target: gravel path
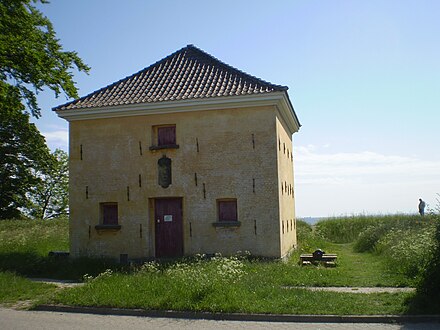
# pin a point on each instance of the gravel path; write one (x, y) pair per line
(69, 284)
(59, 283)
(354, 289)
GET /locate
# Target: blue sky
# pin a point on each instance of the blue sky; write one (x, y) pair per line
(363, 76)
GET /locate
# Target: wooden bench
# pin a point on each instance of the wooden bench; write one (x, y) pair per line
(317, 257)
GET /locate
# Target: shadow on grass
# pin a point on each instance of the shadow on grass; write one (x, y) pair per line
(31, 264)
(423, 304)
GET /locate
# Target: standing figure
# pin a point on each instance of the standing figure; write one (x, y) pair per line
(421, 207)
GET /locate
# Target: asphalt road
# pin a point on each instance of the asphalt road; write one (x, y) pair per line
(17, 319)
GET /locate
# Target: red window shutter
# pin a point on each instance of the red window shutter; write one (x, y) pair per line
(110, 214)
(227, 210)
(166, 135)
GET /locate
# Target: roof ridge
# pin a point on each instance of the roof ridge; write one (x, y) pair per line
(228, 66)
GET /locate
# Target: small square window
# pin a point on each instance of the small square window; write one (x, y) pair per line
(227, 210)
(109, 213)
(166, 135)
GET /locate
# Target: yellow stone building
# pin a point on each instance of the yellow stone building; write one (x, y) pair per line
(186, 156)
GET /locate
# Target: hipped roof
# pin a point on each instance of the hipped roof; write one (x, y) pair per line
(188, 73)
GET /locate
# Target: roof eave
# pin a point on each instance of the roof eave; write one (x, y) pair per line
(289, 112)
(278, 99)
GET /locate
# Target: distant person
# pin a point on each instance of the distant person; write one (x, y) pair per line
(421, 207)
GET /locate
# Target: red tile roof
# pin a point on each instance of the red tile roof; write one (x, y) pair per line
(189, 73)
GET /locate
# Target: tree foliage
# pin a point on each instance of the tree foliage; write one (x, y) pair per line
(32, 181)
(49, 198)
(23, 152)
(31, 57)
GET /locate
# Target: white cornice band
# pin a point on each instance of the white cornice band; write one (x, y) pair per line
(278, 99)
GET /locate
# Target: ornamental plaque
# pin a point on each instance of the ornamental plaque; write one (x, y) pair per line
(164, 171)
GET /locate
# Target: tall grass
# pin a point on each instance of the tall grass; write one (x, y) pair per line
(307, 240)
(428, 291)
(348, 229)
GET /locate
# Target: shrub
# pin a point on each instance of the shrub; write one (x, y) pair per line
(205, 272)
(198, 277)
(370, 236)
(367, 240)
(427, 299)
(343, 230)
(408, 251)
(350, 229)
(307, 240)
(303, 229)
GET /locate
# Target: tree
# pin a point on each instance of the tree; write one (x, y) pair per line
(32, 56)
(50, 197)
(23, 152)
(31, 59)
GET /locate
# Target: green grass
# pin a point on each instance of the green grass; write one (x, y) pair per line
(405, 243)
(34, 236)
(241, 285)
(15, 288)
(353, 269)
(251, 295)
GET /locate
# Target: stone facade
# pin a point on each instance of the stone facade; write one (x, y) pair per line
(244, 154)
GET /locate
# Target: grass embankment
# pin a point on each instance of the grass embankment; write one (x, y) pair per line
(24, 248)
(25, 245)
(221, 284)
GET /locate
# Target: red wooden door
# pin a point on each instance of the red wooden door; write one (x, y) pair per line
(168, 227)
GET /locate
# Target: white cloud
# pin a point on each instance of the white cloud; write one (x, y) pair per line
(361, 182)
(313, 167)
(57, 139)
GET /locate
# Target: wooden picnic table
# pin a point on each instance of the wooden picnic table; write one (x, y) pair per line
(318, 256)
